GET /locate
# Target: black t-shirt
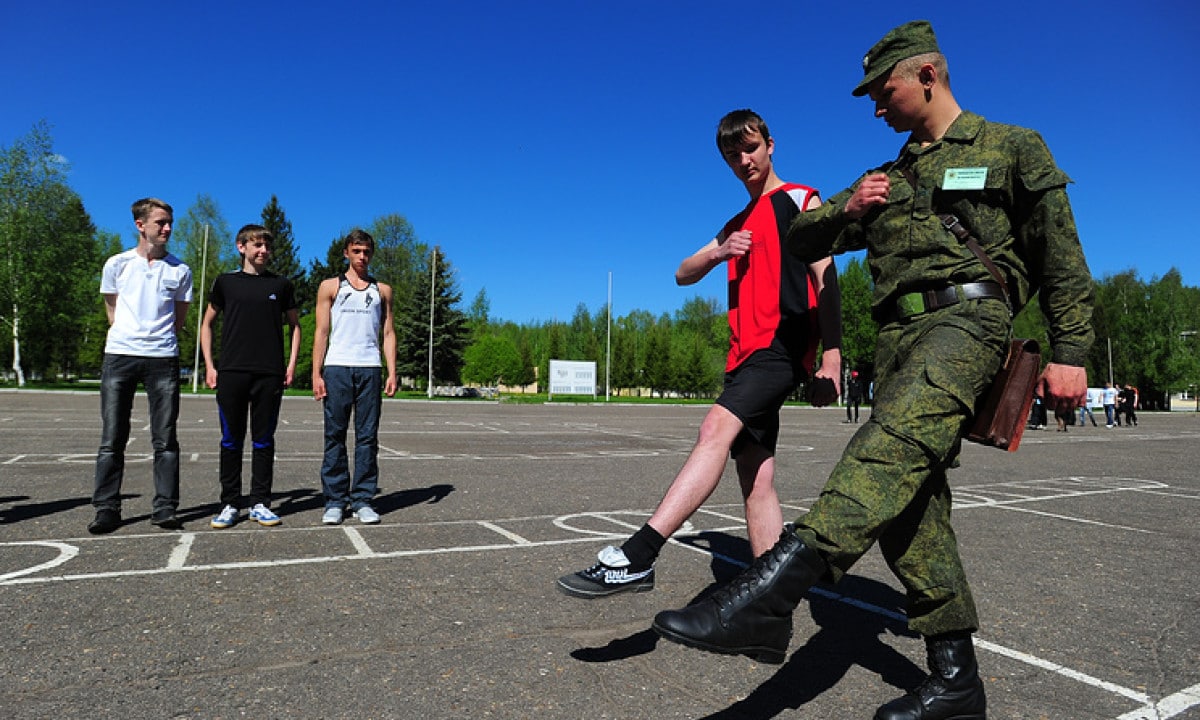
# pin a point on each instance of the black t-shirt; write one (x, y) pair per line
(252, 330)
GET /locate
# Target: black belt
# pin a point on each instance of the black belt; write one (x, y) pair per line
(914, 304)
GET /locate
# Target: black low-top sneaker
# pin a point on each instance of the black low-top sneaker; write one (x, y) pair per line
(609, 576)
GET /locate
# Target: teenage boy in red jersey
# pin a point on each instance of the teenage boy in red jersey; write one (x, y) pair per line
(773, 299)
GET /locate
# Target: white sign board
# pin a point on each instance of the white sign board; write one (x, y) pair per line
(572, 377)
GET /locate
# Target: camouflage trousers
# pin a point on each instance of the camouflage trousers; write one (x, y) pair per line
(890, 485)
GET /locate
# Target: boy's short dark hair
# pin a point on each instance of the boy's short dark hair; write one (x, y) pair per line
(254, 232)
(735, 125)
(358, 236)
(142, 208)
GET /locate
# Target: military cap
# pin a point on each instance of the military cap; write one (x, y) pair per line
(908, 40)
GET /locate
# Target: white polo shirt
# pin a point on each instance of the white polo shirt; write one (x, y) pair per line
(144, 318)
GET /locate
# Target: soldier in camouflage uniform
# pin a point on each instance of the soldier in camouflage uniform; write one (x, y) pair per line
(945, 323)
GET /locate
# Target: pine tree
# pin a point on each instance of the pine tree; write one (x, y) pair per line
(283, 252)
(450, 328)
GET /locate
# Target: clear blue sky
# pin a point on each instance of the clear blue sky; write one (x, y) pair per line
(544, 144)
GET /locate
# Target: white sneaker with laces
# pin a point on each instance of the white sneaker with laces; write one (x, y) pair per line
(367, 515)
(263, 515)
(332, 516)
(227, 518)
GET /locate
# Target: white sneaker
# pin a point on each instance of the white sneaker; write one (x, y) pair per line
(227, 518)
(367, 515)
(332, 516)
(263, 515)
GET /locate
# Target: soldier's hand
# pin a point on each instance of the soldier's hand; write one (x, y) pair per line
(871, 192)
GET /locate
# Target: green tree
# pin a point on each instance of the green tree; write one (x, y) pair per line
(401, 260)
(477, 314)
(332, 265)
(93, 315)
(284, 259)
(49, 258)
(859, 330)
(304, 362)
(659, 374)
(695, 369)
(553, 347)
(207, 259)
(72, 260)
(492, 360)
(450, 331)
(582, 343)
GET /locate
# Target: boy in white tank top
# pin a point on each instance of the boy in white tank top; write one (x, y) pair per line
(354, 313)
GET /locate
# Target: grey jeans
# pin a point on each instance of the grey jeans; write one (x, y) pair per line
(119, 380)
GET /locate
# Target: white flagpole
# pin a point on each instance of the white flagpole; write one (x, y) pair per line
(608, 346)
(200, 315)
(432, 292)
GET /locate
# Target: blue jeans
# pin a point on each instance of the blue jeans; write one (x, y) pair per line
(119, 378)
(358, 389)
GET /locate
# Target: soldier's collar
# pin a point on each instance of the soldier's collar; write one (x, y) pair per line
(965, 128)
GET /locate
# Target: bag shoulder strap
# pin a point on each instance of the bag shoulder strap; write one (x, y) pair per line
(960, 231)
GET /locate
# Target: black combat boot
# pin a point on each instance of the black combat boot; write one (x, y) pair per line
(953, 690)
(753, 614)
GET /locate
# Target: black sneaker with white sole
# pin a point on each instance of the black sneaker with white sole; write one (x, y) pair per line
(609, 576)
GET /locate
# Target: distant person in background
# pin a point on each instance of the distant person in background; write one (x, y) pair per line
(772, 347)
(1063, 418)
(353, 332)
(1037, 416)
(1086, 409)
(854, 392)
(1129, 402)
(1109, 398)
(146, 294)
(250, 375)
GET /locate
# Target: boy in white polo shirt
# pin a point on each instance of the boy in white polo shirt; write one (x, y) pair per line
(146, 294)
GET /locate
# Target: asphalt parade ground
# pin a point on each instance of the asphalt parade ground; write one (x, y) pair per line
(1081, 549)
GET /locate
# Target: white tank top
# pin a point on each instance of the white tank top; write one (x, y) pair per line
(354, 324)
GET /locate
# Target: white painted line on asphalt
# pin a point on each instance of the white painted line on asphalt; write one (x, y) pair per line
(390, 451)
(1184, 495)
(1071, 518)
(195, 457)
(356, 539)
(723, 516)
(1168, 707)
(13, 460)
(510, 535)
(1062, 670)
(181, 551)
(562, 521)
(285, 562)
(65, 553)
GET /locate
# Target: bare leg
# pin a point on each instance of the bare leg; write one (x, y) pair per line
(700, 474)
(764, 517)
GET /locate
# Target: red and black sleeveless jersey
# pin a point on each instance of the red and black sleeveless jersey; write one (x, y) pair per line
(770, 291)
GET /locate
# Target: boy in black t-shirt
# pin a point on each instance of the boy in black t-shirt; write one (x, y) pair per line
(252, 373)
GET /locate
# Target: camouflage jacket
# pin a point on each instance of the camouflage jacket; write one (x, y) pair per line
(1021, 216)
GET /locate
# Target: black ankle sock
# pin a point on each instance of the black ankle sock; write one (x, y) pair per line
(642, 549)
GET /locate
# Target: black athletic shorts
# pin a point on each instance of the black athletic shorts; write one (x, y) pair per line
(755, 390)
